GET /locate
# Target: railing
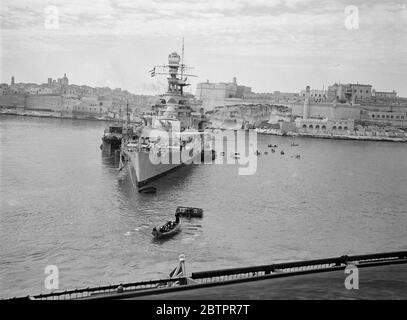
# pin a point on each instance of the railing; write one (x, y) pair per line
(109, 289)
(213, 276)
(297, 266)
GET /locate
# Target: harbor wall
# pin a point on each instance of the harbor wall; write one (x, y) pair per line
(328, 110)
(12, 100)
(44, 103)
(66, 105)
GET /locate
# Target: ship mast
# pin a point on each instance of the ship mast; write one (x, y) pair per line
(127, 114)
(182, 63)
(175, 62)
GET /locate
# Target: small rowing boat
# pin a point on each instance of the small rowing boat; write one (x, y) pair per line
(169, 229)
(235, 155)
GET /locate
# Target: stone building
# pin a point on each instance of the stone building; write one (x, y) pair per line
(383, 118)
(324, 126)
(383, 94)
(312, 108)
(216, 94)
(349, 92)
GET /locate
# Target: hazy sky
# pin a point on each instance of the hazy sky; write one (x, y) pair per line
(267, 44)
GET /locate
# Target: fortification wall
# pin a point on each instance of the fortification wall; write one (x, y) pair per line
(44, 102)
(329, 111)
(12, 100)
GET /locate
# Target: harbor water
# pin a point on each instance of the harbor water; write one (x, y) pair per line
(64, 203)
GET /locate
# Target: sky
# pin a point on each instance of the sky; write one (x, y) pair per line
(268, 45)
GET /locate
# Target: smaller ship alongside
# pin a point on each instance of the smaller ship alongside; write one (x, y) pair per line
(113, 136)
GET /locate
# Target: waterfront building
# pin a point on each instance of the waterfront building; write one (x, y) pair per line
(4, 89)
(305, 110)
(217, 94)
(92, 105)
(330, 110)
(325, 126)
(383, 94)
(383, 118)
(349, 92)
(276, 97)
(324, 118)
(316, 95)
(240, 115)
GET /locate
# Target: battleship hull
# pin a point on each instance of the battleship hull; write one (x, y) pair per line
(143, 170)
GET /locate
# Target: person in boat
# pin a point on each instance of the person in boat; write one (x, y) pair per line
(176, 218)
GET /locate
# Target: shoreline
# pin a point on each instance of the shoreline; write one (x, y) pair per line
(51, 116)
(315, 136)
(341, 137)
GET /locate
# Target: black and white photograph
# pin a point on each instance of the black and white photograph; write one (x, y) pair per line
(205, 155)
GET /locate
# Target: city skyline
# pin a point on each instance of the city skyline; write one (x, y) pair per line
(268, 45)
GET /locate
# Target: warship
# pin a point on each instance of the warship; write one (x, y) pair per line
(173, 136)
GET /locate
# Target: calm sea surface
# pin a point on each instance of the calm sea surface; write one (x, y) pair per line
(64, 203)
